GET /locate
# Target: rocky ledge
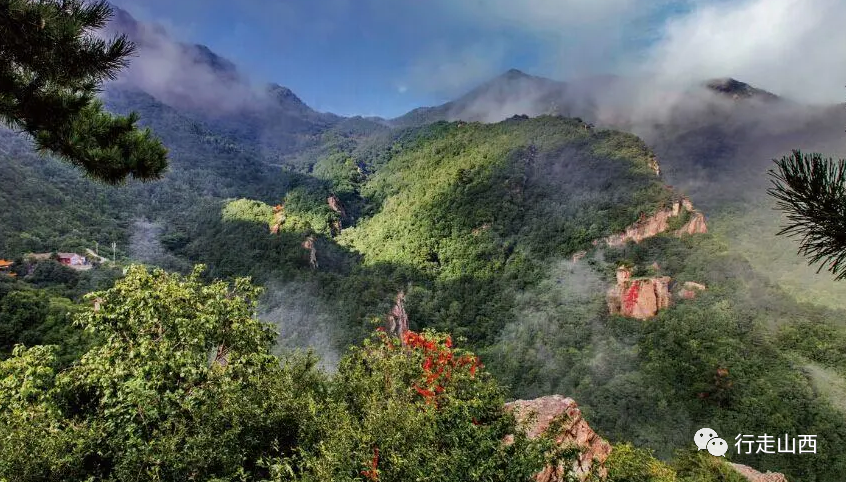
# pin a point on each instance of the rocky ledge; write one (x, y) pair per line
(570, 430)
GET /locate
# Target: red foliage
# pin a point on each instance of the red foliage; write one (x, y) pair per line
(373, 472)
(439, 364)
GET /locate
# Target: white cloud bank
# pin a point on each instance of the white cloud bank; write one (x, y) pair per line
(795, 48)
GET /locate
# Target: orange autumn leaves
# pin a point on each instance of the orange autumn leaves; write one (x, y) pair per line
(433, 372)
(372, 473)
(439, 363)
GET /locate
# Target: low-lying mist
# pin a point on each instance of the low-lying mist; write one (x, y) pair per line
(302, 320)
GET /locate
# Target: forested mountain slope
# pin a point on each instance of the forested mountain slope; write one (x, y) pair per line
(476, 225)
(490, 231)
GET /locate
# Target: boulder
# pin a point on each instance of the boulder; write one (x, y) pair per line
(753, 475)
(573, 431)
(638, 298)
(647, 227)
(690, 290)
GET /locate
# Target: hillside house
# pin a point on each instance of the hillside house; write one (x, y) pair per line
(6, 267)
(72, 260)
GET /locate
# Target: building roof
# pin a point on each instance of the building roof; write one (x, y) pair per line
(68, 255)
(6, 263)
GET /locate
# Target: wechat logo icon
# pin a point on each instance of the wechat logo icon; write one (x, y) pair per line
(707, 439)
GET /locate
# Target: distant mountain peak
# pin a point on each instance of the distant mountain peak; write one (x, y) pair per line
(283, 94)
(738, 90)
(515, 73)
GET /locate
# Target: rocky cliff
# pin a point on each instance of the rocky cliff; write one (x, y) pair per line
(638, 298)
(278, 218)
(397, 319)
(660, 222)
(643, 298)
(570, 430)
(690, 290)
(312, 251)
(754, 476)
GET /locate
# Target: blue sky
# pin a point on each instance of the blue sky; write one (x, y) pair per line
(385, 57)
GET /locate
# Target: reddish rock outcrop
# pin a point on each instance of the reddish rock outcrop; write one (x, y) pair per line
(397, 318)
(638, 298)
(579, 256)
(278, 218)
(690, 290)
(753, 475)
(696, 225)
(654, 165)
(335, 205)
(312, 251)
(642, 298)
(651, 226)
(573, 431)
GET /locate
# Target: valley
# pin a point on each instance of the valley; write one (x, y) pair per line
(529, 219)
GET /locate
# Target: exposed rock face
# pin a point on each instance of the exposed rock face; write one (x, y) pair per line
(639, 298)
(653, 163)
(643, 298)
(658, 223)
(690, 290)
(335, 205)
(278, 218)
(573, 431)
(754, 476)
(397, 318)
(696, 225)
(312, 251)
(579, 256)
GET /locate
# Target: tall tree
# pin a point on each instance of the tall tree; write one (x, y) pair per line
(811, 190)
(52, 63)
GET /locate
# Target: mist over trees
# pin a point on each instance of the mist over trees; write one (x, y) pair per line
(489, 232)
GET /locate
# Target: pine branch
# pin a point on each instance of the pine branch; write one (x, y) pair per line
(51, 66)
(811, 191)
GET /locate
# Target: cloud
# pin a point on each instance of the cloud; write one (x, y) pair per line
(181, 74)
(558, 38)
(792, 47)
(448, 70)
(554, 16)
(302, 320)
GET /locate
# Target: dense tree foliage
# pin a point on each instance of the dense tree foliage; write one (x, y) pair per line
(476, 224)
(51, 65)
(181, 385)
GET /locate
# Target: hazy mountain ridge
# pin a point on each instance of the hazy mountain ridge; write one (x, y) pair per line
(472, 221)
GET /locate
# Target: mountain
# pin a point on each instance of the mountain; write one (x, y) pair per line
(496, 231)
(512, 93)
(737, 90)
(209, 88)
